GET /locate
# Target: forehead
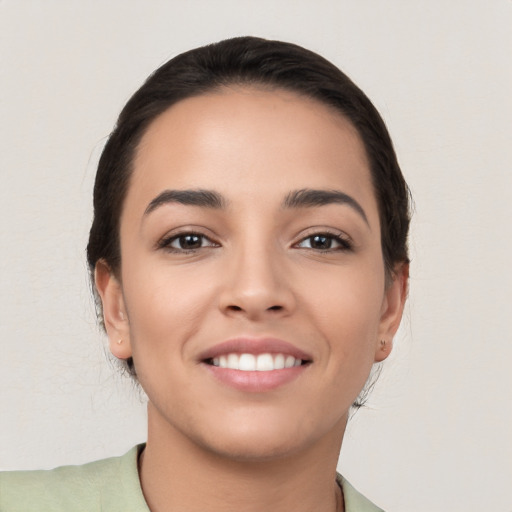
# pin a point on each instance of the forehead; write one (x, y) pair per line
(245, 140)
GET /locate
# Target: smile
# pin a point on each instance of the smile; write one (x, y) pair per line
(260, 363)
(255, 365)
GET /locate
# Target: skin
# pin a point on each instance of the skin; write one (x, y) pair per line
(257, 274)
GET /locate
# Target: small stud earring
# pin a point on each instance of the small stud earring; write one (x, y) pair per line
(119, 341)
(383, 344)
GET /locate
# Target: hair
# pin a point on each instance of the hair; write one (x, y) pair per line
(245, 61)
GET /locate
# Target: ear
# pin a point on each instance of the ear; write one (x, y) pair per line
(114, 310)
(393, 304)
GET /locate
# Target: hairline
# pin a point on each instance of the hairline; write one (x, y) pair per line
(237, 84)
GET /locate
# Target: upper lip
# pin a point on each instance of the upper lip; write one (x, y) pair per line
(248, 345)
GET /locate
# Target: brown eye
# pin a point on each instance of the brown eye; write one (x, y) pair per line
(321, 242)
(186, 242)
(324, 242)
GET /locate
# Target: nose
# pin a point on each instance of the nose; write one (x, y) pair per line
(256, 286)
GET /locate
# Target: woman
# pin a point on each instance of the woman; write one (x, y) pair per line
(249, 255)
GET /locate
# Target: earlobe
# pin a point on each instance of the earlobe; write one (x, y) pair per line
(392, 310)
(384, 349)
(114, 311)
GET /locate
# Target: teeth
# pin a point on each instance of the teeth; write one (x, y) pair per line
(246, 363)
(289, 361)
(260, 363)
(232, 361)
(264, 363)
(279, 361)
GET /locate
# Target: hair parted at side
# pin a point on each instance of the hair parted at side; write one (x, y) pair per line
(246, 61)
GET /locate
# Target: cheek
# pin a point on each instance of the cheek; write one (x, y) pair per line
(165, 308)
(349, 323)
(345, 308)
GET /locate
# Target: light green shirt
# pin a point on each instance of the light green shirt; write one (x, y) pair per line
(109, 485)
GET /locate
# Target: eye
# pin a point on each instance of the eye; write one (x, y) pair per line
(325, 242)
(186, 242)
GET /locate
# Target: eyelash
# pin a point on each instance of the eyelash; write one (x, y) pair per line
(344, 244)
(166, 243)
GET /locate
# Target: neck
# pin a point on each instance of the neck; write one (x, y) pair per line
(179, 474)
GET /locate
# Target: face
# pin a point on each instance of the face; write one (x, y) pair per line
(252, 294)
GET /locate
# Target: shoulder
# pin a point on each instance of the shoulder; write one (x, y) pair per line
(108, 485)
(354, 500)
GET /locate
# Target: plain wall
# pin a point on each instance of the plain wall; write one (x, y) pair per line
(436, 436)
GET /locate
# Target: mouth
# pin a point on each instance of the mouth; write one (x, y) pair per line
(255, 364)
(247, 362)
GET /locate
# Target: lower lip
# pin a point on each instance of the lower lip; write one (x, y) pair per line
(255, 381)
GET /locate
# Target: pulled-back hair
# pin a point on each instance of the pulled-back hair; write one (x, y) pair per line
(257, 62)
(246, 61)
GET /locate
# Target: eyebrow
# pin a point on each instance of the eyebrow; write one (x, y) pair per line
(303, 198)
(309, 198)
(199, 197)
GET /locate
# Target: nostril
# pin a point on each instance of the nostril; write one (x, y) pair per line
(238, 308)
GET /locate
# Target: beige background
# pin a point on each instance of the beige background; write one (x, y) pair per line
(437, 434)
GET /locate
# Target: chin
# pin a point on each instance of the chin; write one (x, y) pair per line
(267, 440)
(257, 448)
(255, 432)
